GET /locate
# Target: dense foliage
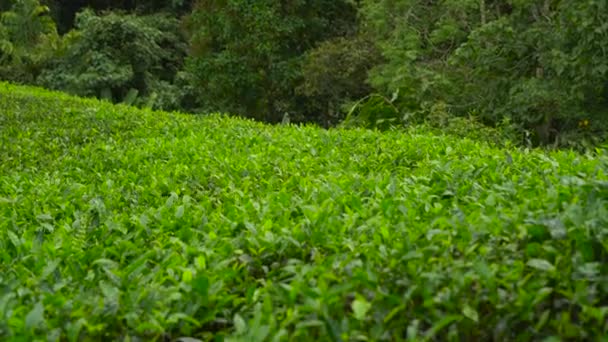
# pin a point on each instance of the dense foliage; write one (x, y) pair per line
(536, 68)
(121, 57)
(28, 37)
(541, 64)
(422, 215)
(246, 55)
(125, 224)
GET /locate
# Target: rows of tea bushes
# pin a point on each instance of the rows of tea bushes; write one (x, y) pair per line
(125, 224)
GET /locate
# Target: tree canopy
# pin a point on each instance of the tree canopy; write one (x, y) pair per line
(537, 68)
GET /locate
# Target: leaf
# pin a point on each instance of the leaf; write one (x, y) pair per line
(239, 324)
(14, 239)
(360, 308)
(444, 322)
(179, 212)
(73, 329)
(201, 285)
(131, 96)
(110, 292)
(544, 317)
(312, 323)
(188, 339)
(470, 313)
(44, 217)
(181, 317)
(412, 330)
(187, 276)
(394, 312)
(286, 119)
(171, 200)
(589, 270)
(35, 317)
(541, 264)
(556, 228)
(552, 339)
(201, 262)
(49, 268)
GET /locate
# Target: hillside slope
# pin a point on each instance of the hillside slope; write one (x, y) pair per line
(118, 223)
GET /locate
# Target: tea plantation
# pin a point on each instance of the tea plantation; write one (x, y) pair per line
(121, 224)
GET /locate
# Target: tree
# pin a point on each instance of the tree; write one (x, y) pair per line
(120, 57)
(540, 64)
(65, 11)
(335, 73)
(246, 55)
(28, 37)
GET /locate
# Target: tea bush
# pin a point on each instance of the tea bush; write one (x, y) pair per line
(124, 224)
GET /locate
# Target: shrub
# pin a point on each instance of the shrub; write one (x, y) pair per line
(118, 223)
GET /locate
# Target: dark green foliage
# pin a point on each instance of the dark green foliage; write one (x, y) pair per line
(64, 11)
(126, 224)
(246, 55)
(121, 57)
(28, 38)
(374, 112)
(540, 64)
(335, 73)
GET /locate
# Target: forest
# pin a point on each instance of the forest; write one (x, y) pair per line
(530, 72)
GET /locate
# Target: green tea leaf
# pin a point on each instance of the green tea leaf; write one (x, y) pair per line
(239, 324)
(160, 225)
(179, 212)
(35, 318)
(201, 284)
(360, 308)
(470, 313)
(541, 264)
